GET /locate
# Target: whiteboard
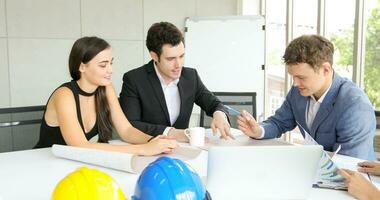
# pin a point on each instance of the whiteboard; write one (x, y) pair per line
(228, 53)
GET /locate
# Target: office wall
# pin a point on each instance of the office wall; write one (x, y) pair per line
(4, 77)
(2, 18)
(36, 37)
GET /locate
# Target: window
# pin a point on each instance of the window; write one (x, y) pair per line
(275, 47)
(372, 62)
(275, 102)
(340, 30)
(372, 49)
(305, 17)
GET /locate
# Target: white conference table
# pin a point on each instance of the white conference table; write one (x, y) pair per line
(33, 174)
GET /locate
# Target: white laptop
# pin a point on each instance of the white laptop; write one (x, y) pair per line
(262, 172)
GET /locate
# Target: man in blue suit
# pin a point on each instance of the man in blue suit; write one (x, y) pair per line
(332, 109)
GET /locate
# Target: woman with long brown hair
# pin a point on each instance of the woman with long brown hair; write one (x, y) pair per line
(88, 106)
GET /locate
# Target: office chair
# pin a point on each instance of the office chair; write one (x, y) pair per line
(237, 100)
(20, 127)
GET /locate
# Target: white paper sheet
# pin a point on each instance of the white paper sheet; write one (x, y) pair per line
(240, 140)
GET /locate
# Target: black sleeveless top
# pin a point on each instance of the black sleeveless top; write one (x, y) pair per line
(52, 135)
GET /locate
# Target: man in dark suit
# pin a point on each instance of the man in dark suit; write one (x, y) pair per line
(158, 97)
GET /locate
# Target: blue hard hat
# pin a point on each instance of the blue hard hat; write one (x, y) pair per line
(169, 179)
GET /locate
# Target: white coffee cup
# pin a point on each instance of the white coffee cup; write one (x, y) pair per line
(196, 136)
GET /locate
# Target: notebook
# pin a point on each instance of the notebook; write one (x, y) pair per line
(262, 172)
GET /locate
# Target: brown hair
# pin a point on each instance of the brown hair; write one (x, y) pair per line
(84, 50)
(162, 33)
(311, 49)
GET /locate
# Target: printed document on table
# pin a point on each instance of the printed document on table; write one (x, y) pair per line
(328, 176)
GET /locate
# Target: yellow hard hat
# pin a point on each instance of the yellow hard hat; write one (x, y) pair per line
(85, 183)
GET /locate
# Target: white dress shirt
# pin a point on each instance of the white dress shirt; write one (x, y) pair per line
(172, 98)
(313, 107)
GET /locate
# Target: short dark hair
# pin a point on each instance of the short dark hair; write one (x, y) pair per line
(311, 49)
(163, 33)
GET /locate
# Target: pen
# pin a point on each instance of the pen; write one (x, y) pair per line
(369, 177)
(336, 151)
(231, 110)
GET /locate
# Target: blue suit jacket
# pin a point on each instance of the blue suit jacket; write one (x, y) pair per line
(345, 117)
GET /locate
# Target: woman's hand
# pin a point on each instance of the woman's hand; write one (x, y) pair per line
(358, 186)
(369, 167)
(158, 145)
